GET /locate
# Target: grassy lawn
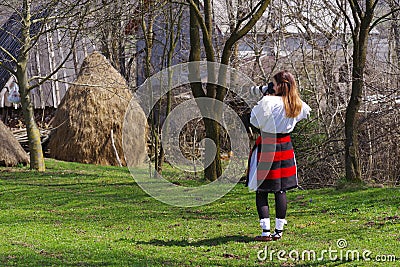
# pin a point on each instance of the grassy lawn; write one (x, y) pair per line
(85, 215)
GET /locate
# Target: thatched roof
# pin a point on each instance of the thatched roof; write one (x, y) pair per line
(91, 108)
(11, 152)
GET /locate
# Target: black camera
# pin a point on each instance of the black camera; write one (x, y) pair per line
(263, 89)
(270, 89)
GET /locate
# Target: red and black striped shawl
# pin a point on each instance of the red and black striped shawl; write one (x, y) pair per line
(276, 164)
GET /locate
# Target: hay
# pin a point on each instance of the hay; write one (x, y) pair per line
(11, 152)
(91, 108)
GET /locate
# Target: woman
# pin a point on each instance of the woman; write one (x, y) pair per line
(272, 165)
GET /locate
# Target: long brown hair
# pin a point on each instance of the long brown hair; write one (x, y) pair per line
(287, 88)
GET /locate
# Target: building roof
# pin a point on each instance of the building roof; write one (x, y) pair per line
(10, 35)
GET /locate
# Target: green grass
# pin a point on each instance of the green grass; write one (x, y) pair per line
(85, 215)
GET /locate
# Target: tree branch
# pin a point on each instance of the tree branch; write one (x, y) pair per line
(8, 54)
(357, 13)
(346, 17)
(356, 7)
(240, 21)
(206, 34)
(7, 68)
(239, 33)
(381, 19)
(373, 4)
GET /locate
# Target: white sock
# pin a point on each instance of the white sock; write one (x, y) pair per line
(279, 224)
(266, 226)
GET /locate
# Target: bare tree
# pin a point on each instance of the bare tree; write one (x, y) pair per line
(202, 19)
(361, 22)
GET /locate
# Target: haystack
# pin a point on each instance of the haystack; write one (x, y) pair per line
(11, 152)
(88, 123)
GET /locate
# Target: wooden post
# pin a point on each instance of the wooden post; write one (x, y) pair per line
(115, 148)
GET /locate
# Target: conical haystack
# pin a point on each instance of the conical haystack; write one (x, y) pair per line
(88, 122)
(11, 152)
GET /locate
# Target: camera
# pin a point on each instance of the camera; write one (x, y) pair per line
(263, 89)
(270, 89)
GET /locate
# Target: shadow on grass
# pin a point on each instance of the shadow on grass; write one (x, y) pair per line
(204, 242)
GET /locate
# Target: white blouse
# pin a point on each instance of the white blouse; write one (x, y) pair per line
(269, 115)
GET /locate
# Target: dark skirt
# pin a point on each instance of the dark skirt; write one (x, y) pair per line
(276, 168)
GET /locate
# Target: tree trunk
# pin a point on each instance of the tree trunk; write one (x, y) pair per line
(35, 146)
(210, 172)
(212, 159)
(352, 160)
(360, 42)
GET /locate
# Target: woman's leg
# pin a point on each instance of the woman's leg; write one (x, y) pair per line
(263, 214)
(262, 204)
(280, 204)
